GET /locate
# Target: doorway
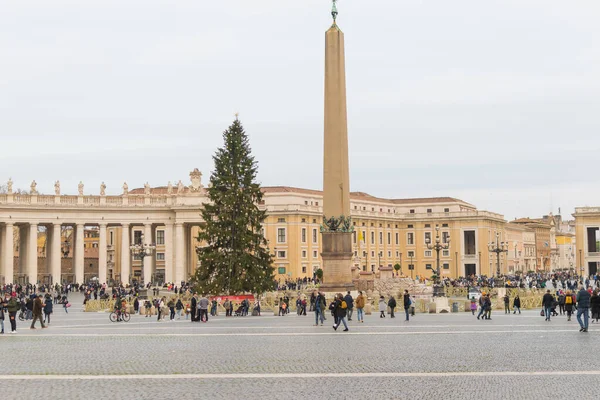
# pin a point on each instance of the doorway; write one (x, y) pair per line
(470, 269)
(593, 268)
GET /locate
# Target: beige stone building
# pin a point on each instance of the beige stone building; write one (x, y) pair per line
(587, 238)
(387, 232)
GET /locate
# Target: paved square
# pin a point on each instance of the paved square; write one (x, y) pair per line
(452, 356)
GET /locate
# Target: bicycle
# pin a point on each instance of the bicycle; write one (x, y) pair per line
(119, 315)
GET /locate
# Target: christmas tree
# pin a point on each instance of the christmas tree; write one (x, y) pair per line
(235, 257)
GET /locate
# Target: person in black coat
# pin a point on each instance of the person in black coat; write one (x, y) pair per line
(392, 305)
(595, 305)
(340, 312)
(547, 302)
(517, 304)
(406, 301)
(193, 306)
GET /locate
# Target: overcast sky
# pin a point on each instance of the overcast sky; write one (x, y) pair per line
(495, 102)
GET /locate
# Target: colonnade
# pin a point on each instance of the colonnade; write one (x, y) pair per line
(177, 250)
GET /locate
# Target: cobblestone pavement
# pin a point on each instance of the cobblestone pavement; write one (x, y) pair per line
(448, 356)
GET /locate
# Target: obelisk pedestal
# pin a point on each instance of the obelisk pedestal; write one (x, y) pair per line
(337, 228)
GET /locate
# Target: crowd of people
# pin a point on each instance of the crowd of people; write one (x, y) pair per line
(583, 300)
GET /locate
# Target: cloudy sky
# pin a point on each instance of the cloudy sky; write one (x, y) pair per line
(495, 102)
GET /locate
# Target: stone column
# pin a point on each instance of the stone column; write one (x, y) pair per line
(102, 249)
(147, 272)
(169, 273)
(56, 253)
(179, 252)
(23, 245)
(32, 256)
(8, 253)
(79, 254)
(125, 254)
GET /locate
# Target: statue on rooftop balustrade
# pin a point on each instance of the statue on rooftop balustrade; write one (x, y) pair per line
(34, 187)
(57, 188)
(125, 188)
(80, 188)
(102, 189)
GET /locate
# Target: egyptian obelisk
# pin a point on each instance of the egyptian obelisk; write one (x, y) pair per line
(337, 227)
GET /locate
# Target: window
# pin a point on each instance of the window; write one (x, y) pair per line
(304, 269)
(389, 237)
(372, 237)
(445, 237)
(429, 211)
(428, 253)
(411, 253)
(137, 237)
(160, 237)
(281, 270)
(364, 236)
(279, 220)
(427, 266)
(315, 254)
(427, 237)
(410, 238)
(280, 235)
(317, 203)
(372, 208)
(363, 224)
(303, 219)
(354, 237)
(380, 237)
(372, 254)
(314, 221)
(281, 254)
(444, 225)
(446, 210)
(446, 266)
(410, 226)
(305, 202)
(397, 238)
(303, 235)
(389, 254)
(303, 253)
(111, 238)
(412, 211)
(397, 254)
(427, 225)
(160, 256)
(445, 253)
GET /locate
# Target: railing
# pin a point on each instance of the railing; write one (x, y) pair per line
(69, 200)
(158, 201)
(93, 201)
(23, 199)
(114, 201)
(136, 201)
(44, 199)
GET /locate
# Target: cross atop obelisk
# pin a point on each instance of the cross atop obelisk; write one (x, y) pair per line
(337, 227)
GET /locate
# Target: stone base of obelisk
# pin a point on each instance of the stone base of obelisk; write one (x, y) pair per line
(337, 262)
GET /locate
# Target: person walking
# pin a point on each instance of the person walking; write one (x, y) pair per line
(473, 305)
(12, 306)
(517, 304)
(583, 307)
(147, 308)
(569, 304)
(561, 302)
(194, 306)
(65, 302)
(487, 304)
(481, 306)
(47, 307)
(179, 308)
(37, 312)
(360, 305)
(382, 307)
(319, 307)
(350, 303)
(407, 303)
(340, 312)
(160, 307)
(171, 305)
(506, 304)
(203, 308)
(595, 305)
(392, 305)
(547, 301)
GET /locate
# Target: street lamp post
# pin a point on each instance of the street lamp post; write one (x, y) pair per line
(498, 247)
(142, 250)
(411, 267)
(437, 246)
(580, 264)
